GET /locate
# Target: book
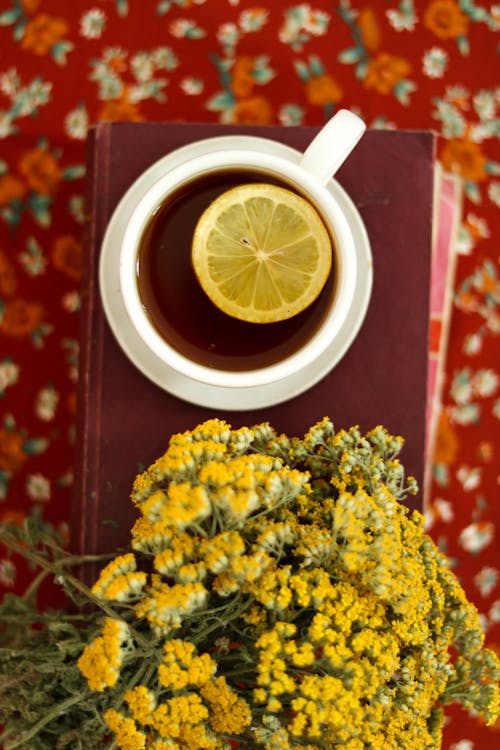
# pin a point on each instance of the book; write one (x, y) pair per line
(448, 198)
(125, 421)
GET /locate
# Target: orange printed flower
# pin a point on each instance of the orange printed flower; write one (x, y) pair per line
(41, 170)
(254, 111)
(446, 441)
(12, 455)
(120, 109)
(465, 157)
(486, 282)
(11, 189)
(467, 301)
(242, 81)
(385, 71)
(8, 281)
(445, 19)
(21, 318)
(485, 451)
(43, 33)
(67, 256)
(322, 89)
(369, 28)
(30, 6)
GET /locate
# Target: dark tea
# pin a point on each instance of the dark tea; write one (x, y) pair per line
(179, 309)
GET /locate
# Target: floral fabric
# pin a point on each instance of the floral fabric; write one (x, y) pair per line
(429, 64)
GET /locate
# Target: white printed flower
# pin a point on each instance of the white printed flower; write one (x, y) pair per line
(9, 374)
(401, 20)
(38, 487)
(184, 28)
(38, 93)
(469, 478)
(253, 19)
(465, 414)
(434, 62)
(228, 34)
(291, 114)
(92, 23)
(142, 66)
(76, 123)
(494, 613)
(164, 58)
(461, 389)
(484, 104)
(6, 127)
(465, 241)
(9, 82)
(316, 22)
(7, 573)
(478, 224)
(444, 510)
(476, 536)
(485, 382)
(473, 343)
(46, 403)
(462, 745)
(494, 192)
(191, 86)
(486, 580)
(71, 301)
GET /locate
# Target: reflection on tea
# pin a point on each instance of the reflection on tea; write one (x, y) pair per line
(179, 309)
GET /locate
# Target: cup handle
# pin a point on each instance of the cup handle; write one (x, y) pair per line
(332, 145)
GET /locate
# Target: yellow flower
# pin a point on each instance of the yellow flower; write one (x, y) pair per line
(101, 660)
(127, 735)
(229, 714)
(166, 606)
(182, 668)
(142, 703)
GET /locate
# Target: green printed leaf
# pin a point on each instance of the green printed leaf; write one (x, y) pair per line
(360, 70)
(18, 32)
(8, 17)
(35, 446)
(4, 484)
(350, 56)
(74, 173)
(221, 102)
(122, 7)
(163, 7)
(492, 167)
(316, 66)
(60, 50)
(472, 191)
(441, 474)
(39, 205)
(402, 91)
(302, 71)
(463, 45)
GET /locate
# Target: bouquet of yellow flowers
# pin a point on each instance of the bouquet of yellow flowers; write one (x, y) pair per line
(277, 594)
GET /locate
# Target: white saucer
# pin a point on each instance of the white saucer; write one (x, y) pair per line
(151, 366)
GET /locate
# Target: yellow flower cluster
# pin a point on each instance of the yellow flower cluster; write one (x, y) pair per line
(187, 720)
(120, 580)
(182, 668)
(101, 660)
(285, 597)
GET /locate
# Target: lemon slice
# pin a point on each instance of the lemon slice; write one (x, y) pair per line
(261, 253)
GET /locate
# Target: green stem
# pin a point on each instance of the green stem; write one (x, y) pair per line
(58, 710)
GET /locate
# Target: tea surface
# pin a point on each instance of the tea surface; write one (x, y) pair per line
(180, 310)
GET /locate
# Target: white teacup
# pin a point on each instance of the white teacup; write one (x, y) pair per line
(309, 175)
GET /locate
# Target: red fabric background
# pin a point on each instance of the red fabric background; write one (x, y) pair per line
(63, 66)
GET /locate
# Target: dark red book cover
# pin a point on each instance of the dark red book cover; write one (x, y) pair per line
(125, 421)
